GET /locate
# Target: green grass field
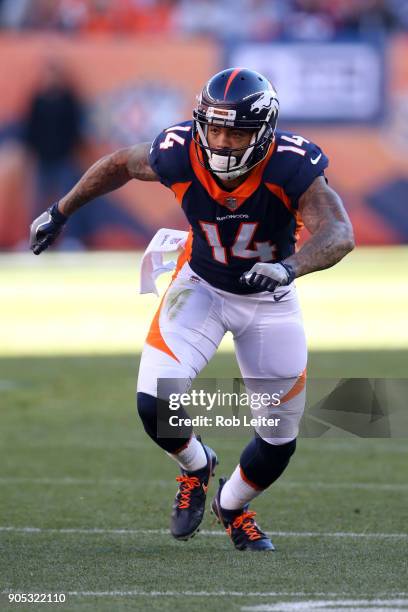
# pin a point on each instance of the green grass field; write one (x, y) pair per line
(85, 496)
(71, 304)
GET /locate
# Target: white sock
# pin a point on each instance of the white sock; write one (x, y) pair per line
(236, 493)
(191, 458)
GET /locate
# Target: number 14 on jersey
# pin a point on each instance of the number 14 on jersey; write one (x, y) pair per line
(263, 251)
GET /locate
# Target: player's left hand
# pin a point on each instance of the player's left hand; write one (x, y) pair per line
(268, 276)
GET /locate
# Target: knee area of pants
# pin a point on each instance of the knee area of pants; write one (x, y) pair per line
(146, 406)
(152, 412)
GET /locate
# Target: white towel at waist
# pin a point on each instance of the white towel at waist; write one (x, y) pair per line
(152, 265)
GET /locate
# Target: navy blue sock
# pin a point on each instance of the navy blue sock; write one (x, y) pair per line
(263, 463)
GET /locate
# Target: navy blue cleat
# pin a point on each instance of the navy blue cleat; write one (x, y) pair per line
(189, 503)
(240, 525)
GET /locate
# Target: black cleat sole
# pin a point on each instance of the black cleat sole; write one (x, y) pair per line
(185, 538)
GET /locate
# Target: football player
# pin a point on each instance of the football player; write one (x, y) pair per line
(246, 189)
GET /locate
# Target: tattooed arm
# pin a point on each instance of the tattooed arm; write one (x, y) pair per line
(109, 173)
(331, 239)
(323, 214)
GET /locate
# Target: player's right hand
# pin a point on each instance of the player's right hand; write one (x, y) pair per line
(45, 229)
(268, 276)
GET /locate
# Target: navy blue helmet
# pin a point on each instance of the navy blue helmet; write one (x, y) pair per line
(242, 99)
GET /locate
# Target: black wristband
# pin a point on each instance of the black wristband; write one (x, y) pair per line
(56, 215)
(290, 271)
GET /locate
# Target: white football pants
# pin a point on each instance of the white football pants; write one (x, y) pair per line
(269, 341)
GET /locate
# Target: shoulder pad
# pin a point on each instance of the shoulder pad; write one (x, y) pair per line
(169, 154)
(295, 164)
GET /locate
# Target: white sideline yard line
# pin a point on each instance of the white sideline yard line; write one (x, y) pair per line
(138, 593)
(204, 532)
(330, 604)
(69, 481)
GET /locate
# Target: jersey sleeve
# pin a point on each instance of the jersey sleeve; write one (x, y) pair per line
(311, 165)
(169, 154)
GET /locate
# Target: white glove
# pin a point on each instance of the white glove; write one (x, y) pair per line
(268, 276)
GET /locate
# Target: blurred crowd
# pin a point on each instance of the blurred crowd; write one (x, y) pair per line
(223, 19)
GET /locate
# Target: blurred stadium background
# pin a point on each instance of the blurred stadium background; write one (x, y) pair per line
(125, 69)
(80, 78)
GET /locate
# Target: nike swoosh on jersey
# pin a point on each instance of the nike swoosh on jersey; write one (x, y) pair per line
(316, 159)
(277, 298)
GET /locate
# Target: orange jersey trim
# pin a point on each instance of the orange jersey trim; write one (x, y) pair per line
(297, 387)
(155, 338)
(241, 193)
(185, 255)
(283, 196)
(180, 190)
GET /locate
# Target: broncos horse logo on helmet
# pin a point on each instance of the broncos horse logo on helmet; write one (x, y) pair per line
(265, 100)
(236, 98)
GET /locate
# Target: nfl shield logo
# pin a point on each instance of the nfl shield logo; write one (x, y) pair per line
(231, 203)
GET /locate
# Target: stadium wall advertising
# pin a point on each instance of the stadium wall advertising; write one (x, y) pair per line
(340, 81)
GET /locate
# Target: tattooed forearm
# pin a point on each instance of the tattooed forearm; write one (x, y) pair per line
(332, 238)
(323, 250)
(107, 174)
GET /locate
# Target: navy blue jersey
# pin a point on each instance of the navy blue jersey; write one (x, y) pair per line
(257, 221)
